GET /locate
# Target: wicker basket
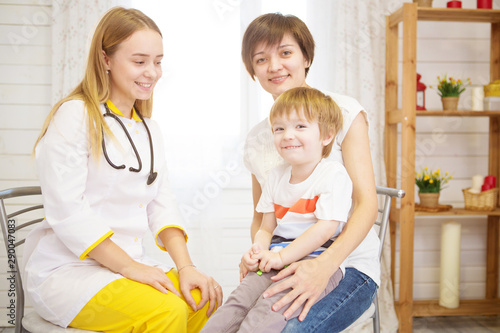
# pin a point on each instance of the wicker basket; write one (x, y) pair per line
(485, 201)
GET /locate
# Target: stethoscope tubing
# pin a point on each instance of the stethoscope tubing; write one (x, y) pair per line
(152, 175)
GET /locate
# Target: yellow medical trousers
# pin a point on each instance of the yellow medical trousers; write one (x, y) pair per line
(129, 306)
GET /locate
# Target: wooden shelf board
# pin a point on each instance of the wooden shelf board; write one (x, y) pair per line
(459, 113)
(458, 15)
(478, 307)
(395, 213)
(449, 15)
(460, 211)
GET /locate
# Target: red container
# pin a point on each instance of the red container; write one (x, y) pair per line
(484, 4)
(486, 187)
(455, 4)
(490, 180)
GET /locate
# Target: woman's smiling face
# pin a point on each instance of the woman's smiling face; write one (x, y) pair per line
(280, 67)
(135, 67)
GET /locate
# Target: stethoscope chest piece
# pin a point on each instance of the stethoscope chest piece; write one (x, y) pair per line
(152, 178)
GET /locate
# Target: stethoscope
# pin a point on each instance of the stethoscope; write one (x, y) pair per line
(152, 174)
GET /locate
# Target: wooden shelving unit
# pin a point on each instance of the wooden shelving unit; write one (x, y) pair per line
(407, 17)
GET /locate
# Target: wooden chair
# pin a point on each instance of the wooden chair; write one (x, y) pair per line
(386, 194)
(30, 322)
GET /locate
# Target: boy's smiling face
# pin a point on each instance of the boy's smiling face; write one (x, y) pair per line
(297, 140)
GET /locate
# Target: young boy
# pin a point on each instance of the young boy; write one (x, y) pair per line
(305, 204)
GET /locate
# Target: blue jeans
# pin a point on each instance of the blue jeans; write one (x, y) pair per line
(340, 308)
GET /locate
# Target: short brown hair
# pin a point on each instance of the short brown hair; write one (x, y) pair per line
(270, 29)
(315, 106)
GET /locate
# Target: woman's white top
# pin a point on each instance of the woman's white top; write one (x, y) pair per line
(86, 201)
(260, 157)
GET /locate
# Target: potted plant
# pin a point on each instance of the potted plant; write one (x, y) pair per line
(430, 183)
(450, 90)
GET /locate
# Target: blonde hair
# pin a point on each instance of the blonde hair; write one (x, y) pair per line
(270, 29)
(117, 25)
(314, 106)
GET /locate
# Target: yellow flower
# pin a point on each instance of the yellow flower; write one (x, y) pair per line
(431, 181)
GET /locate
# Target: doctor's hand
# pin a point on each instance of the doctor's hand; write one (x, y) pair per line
(153, 276)
(110, 255)
(191, 278)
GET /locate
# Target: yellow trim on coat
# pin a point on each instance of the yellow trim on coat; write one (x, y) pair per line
(85, 255)
(113, 108)
(165, 227)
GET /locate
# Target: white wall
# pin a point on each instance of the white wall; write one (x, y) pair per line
(460, 49)
(25, 86)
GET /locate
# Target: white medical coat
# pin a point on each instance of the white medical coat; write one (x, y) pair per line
(86, 201)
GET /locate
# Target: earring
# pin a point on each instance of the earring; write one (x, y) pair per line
(107, 71)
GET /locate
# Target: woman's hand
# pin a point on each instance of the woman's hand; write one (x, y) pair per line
(191, 278)
(153, 276)
(307, 279)
(110, 255)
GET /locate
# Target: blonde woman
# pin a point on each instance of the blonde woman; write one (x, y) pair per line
(102, 170)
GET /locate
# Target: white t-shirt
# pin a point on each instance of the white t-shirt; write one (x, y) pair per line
(260, 157)
(324, 195)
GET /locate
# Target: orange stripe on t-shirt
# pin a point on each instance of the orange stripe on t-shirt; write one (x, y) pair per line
(280, 211)
(303, 206)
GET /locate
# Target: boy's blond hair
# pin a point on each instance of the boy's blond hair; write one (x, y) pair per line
(314, 106)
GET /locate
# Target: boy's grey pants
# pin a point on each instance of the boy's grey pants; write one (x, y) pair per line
(247, 311)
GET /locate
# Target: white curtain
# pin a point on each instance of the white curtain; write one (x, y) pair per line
(351, 60)
(72, 29)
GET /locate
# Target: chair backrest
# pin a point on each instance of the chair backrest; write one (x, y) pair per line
(11, 222)
(386, 194)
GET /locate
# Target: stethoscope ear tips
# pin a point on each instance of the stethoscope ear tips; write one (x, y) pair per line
(152, 178)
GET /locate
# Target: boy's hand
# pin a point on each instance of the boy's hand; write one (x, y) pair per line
(248, 260)
(269, 260)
